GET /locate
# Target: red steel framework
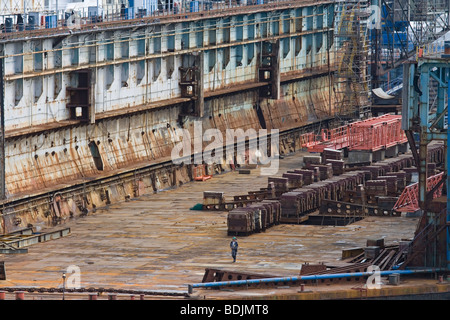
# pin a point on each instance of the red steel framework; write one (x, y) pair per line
(371, 135)
(376, 133)
(409, 199)
(328, 138)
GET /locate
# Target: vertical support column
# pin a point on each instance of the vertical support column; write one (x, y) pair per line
(415, 118)
(269, 69)
(447, 243)
(423, 145)
(191, 83)
(376, 51)
(2, 132)
(199, 89)
(91, 108)
(80, 96)
(409, 97)
(440, 101)
(276, 70)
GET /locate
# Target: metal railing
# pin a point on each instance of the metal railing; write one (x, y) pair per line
(51, 19)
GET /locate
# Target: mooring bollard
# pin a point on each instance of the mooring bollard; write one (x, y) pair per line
(93, 296)
(131, 297)
(2, 295)
(141, 297)
(20, 295)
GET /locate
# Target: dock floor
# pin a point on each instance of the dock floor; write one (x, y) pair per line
(156, 242)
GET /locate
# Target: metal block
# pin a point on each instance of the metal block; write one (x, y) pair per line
(260, 216)
(391, 184)
(295, 180)
(212, 197)
(352, 196)
(404, 245)
(331, 154)
(2, 271)
(401, 179)
(307, 160)
(386, 203)
(375, 243)
(376, 188)
(276, 210)
(324, 171)
(308, 175)
(280, 184)
(351, 252)
(371, 252)
(394, 279)
(336, 165)
(212, 275)
(240, 222)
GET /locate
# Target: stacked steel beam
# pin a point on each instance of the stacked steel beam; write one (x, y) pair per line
(368, 190)
(256, 217)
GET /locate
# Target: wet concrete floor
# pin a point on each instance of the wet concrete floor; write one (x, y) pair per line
(156, 242)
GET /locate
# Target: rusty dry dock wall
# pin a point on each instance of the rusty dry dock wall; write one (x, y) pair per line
(66, 172)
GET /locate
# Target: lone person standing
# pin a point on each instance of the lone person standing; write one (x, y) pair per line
(234, 248)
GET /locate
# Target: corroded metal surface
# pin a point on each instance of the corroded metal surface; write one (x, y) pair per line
(135, 105)
(58, 167)
(85, 193)
(157, 242)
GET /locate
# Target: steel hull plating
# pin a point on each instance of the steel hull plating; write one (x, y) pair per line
(92, 118)
(63, 159)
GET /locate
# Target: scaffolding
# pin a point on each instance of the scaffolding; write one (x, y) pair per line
(429, 19)
(407, 27)
(352, 45)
